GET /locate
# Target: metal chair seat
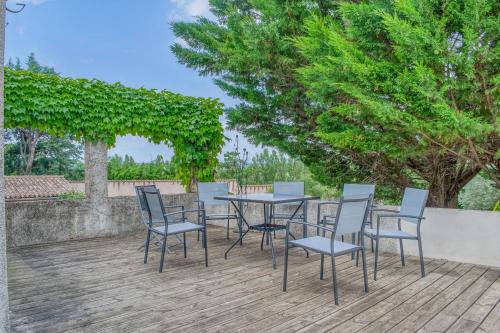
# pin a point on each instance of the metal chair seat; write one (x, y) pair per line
(323, 245)
(177, 228)
(385, 233)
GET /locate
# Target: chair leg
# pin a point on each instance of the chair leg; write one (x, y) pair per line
(365, 271)
(285, 266)
(262, 241)
(353, 241)
(402, 252)
(163, 247)
(357, 252)
(227, 230)
(371, 226)
(334, 276)
(205, 241)
(146, 247)
(198, 235)
(422, 269)
(321, 267)
(184, 242)
(376, 259)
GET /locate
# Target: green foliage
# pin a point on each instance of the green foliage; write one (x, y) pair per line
(479, 193)
(94, 110)
(413, 81)
(72, 195)
(250, 52)
(401, 93)
(270, 166)
(127, 169)
(53, 156)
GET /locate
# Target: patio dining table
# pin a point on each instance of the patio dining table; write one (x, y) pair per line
(268, 200)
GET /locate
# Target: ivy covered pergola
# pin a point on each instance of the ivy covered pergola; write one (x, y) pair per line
(97, 112)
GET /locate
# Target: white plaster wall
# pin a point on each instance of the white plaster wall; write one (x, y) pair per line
(470, 236)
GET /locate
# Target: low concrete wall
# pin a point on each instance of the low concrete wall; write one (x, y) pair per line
(47, 221)
(470, 236)
(460, 235)
(118, 188)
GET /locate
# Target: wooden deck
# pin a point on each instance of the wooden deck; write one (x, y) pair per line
(101, 285)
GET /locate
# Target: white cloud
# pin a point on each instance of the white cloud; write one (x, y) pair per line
(189, 8)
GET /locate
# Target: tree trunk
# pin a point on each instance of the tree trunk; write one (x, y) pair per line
(4, 294)
(439, 196)
(28, 140)
(193, 183)
(449, 176)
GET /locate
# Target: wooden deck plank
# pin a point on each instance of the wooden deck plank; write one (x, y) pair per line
(476, 314)
(269, 319)
(440, 299)
(491, 323)
(101, 285)
(445, 318)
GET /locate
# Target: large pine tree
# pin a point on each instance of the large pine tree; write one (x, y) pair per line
(399, 92)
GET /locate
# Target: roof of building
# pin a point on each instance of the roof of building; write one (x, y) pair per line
(33, 187)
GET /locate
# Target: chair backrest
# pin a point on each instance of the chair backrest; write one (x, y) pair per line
(143, 211)
(154, 206)
(414, 201)
(207, 192)
(288, 188)
(358, 189)
(352, 214)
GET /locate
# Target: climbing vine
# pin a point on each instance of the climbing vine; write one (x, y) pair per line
(98, 111)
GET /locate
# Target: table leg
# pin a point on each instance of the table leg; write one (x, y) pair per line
(270, 237)
(266, 221)
(240, 223)
(305, 220)
(242, 235)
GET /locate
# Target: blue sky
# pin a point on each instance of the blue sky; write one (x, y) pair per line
(113, 40)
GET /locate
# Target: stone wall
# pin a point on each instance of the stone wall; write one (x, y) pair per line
(46, 221)
(118, 188)
(460, 235)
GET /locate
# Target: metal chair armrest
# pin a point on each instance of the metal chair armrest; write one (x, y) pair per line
(384, 210)
(175, 206)
(317, 226)
(185, 211)
(328, 203)
(420, 218)
(401, 215)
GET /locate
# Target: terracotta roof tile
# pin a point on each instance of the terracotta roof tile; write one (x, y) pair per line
(27, 187)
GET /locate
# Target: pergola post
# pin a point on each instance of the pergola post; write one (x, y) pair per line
(4, 294)
(96, 171)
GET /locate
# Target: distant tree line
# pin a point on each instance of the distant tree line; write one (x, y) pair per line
(125, 168)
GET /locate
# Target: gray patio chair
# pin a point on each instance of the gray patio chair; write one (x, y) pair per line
(351, 218)
(156, 212)
(288, 188)
(349, 190)
(143, 213)
(206, 194)
(411, 211)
